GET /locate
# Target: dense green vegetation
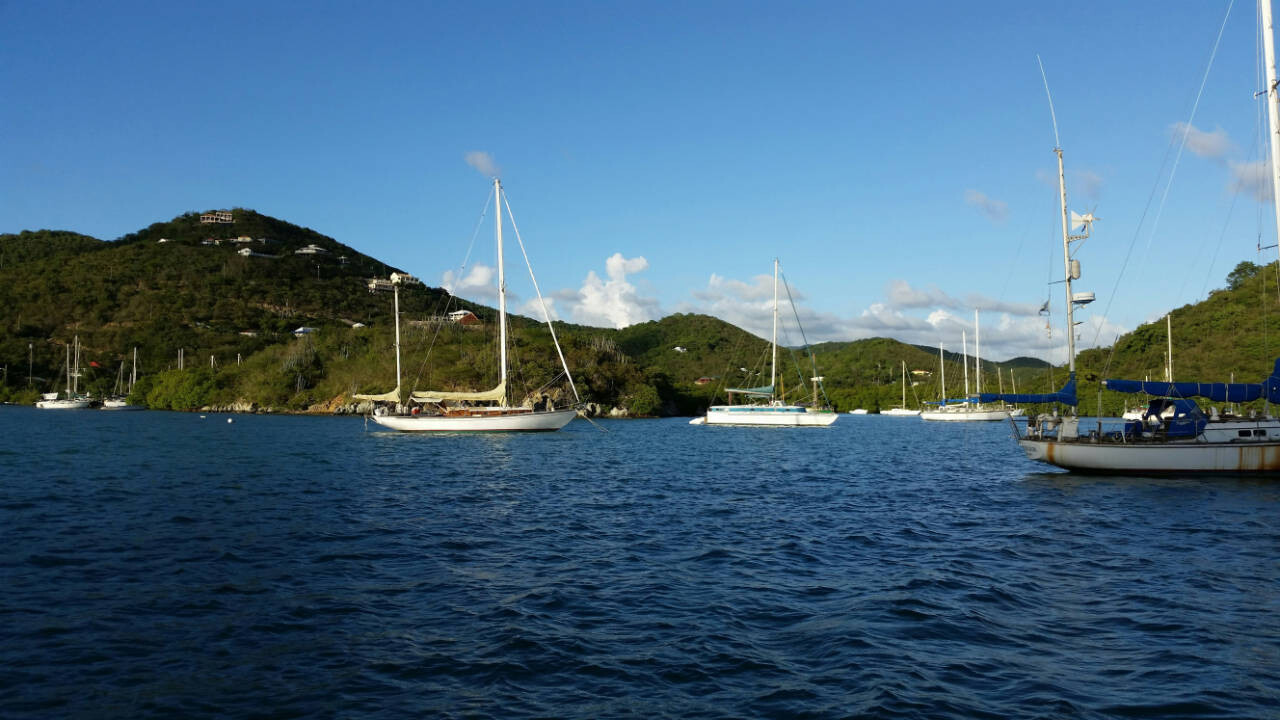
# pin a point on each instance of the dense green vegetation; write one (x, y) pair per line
(233, 317)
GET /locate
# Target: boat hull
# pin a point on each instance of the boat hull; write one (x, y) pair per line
(497, 422)
(62, 404)
(900, 412)
(774, 415)
(119, 405)
(1164, 458)
(965, 415)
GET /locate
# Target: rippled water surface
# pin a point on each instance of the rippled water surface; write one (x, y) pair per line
(169, 565)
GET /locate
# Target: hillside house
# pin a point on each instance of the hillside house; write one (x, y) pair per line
(222, 217)
(380, 285)
(464, 317)
(312, 249)
(404, 279)
(304, 330)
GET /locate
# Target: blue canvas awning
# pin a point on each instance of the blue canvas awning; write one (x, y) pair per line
(1066, 396)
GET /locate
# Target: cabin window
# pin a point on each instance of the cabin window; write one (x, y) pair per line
(1260, 433)
(1244, 433)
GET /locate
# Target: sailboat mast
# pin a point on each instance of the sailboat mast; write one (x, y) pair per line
(395, 293)
(1273, 102)
(977, 351)
(904, 384)
(964, 350)
(75, 376)
(942, 366)
(773, 363)
(68, 370)
(502, 288)
(1066, 263)
(1168, 327)
(133, 376)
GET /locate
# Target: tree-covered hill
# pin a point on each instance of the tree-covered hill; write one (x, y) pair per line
(227, 298)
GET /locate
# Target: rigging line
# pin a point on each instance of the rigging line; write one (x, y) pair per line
(1186, 130)
(1213, 259)
(546, 314)
(812, 361)
(1156, 223)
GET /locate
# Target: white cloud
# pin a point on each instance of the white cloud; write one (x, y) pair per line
(916, 316)
(1251, 178)
(483, 162)
(1213, 145)
(995, 210)
(901, 294)
(614, 302)
(477, 283)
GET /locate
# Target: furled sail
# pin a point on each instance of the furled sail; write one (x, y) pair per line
(1066, 396)
(390, 396)
(497, 394)
(1216, 392)
(764, 391)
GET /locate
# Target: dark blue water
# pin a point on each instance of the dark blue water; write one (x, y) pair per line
(165, 565)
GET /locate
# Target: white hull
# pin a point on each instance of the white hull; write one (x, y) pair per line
(859, 411)
(1191, 456)
(900, 412)
(120, 405)
(497, 422)
(961, 414)
(768, 415)
(62, 404)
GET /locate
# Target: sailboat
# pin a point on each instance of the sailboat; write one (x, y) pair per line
(480, 411)
(119, 398)
(1174, 435)
(902, 410)
(767, 407)
(967, 410)
(72, 400)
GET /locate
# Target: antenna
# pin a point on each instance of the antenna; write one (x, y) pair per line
(1052, 114)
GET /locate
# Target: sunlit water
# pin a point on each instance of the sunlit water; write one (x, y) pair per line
(173, 565)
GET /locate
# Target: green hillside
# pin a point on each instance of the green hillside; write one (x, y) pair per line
(229, 296)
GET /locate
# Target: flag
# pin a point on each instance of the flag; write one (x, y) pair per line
(1044, 309)
(94, 364)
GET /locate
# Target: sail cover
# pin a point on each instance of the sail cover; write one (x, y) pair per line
(1216, 392)
(763, 391)
(495, 395)
(1066, 396)
(389, 396)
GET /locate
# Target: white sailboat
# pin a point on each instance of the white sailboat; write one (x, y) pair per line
(1188, 440)
(119, 400)
(72, 400)
(968, 410)
(902, 410)
(481, 411)
(768, 408)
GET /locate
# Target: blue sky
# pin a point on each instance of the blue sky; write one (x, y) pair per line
(897, 157)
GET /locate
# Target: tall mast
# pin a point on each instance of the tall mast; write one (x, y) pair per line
(904, 384)
(1168, 328)
(75, 376)
(395, 292)
(68, 370)
(773, 364)
(964, 351)
(1273, 103)
(502, 288)
(133, 376)
(1066, 263)
(942, 366)
(977, 351)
